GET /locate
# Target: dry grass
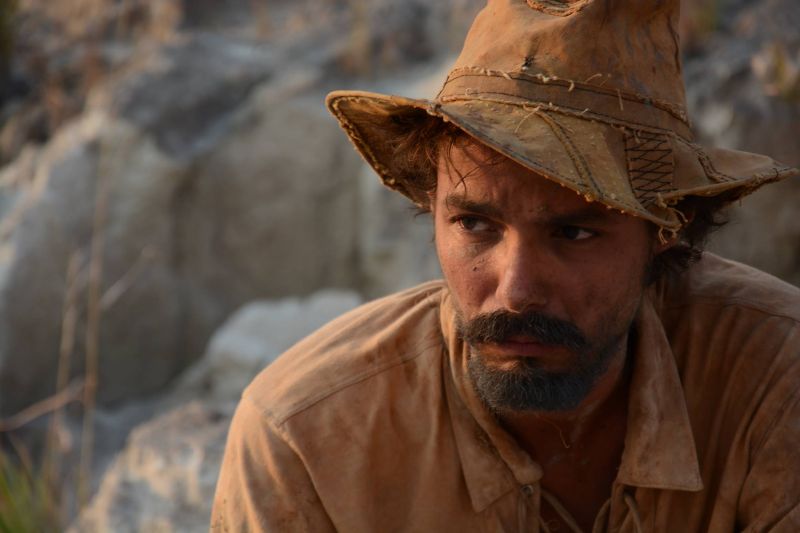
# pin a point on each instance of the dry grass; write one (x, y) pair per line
(32, 494)
(778, 71)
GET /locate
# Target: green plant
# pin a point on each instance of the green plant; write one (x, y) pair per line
(27, 501)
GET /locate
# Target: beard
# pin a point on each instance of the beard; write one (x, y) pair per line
(528, 386)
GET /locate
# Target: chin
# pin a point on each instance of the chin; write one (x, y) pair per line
(522, 384)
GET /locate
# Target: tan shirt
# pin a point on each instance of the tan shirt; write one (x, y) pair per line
(371, 424)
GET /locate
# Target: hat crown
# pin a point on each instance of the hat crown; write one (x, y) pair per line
(626, 45)
(587, 93)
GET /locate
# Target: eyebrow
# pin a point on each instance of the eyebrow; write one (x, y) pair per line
(459, 202)
(591, 213)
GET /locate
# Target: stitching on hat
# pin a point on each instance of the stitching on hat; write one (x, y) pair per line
(481, 137)
(559, 8)
(651, 165)
(708, 166)
(583, 113)
(358, 141)
(542, 79)
(574, 154)
(572, 151)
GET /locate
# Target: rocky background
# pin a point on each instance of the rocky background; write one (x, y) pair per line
(177, 208)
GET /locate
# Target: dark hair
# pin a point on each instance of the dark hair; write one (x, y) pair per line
(420, 139)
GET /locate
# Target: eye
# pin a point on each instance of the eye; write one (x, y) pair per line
(575, 233)
(472, 224)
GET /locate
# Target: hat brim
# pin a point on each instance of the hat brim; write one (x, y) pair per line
(643, 172)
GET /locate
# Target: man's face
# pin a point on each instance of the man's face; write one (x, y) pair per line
(546, 284)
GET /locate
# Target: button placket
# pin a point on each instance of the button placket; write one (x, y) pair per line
(530, 496)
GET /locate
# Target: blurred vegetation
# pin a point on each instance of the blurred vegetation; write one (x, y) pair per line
(778, 71)
(28, 503)
(699, 20)
(8, 9)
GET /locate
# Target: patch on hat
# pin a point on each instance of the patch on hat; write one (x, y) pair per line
(560, 8)
(650, 164)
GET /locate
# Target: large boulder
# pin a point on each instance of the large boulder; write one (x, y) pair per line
(164, 478)
(252, 338)
(224, 187)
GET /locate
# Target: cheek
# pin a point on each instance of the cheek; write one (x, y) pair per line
(605, 291)
(467, 274)
(620, 289)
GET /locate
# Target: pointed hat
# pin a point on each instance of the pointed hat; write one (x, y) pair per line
(588, 93)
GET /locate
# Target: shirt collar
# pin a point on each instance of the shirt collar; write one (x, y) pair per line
(659, 446)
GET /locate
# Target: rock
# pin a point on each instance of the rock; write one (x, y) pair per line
(62, 50)
(256, 199)
(395, 241)
(49, 220)
(183, 94)
(164, 479)
(764, 231)
(744, 93)
(253, 337)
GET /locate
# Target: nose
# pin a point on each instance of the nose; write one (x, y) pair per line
(526, 276)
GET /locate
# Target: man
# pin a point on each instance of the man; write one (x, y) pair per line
(572, 372)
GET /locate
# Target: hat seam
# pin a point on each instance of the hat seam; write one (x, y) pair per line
(385, 174)
(553, 175)
(675, 110)
(747, 185)
(478, 135)
(708, 166)
(557, 10)
(649, 177)
(721, 181)
(572, 150)
(587, 113)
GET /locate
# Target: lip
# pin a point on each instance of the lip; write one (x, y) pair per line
(521, 347)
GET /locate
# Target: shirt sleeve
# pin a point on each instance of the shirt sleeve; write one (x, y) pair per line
(263, 485)
(770, 499)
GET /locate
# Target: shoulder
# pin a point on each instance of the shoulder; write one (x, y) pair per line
(734, 328)
(728, 310)
(360, 345)
(730, 323)
(720, 283)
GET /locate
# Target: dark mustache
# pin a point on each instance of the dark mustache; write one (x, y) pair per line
(500, 326)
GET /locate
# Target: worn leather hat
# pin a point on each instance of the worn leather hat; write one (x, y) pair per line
(588, 93)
